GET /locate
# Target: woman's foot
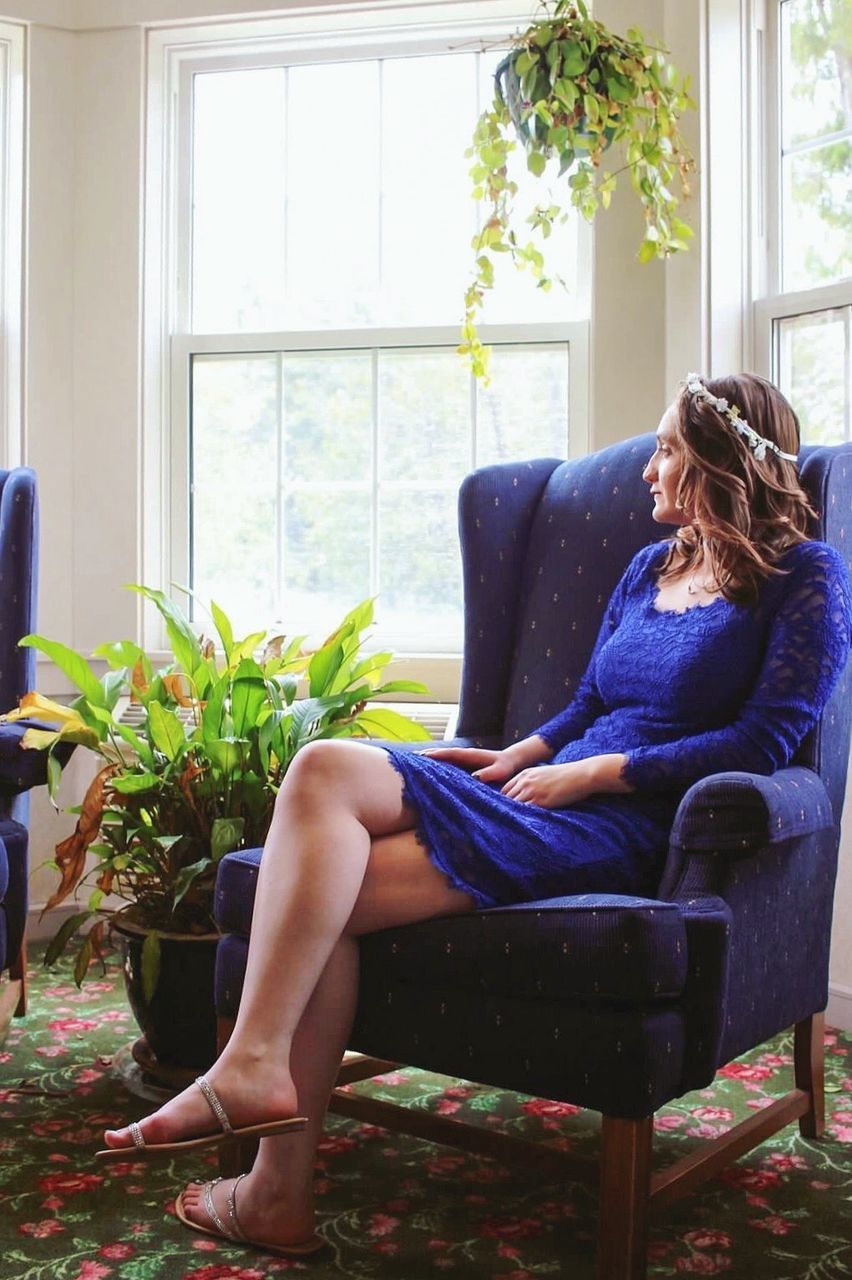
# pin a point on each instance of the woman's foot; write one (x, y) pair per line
(248, 1097)
(252, 1210)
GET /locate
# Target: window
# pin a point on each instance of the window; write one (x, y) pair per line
(805, 321)
(321, 419)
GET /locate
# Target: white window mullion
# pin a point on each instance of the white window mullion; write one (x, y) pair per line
(375, 486)
(281, 489)
(847, 351)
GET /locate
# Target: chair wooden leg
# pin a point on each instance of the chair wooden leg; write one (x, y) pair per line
(809, 1060)
(18, 973)
(625, 1186)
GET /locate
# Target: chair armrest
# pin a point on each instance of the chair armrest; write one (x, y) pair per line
(735, 814)
(767, 846)
(19, 769)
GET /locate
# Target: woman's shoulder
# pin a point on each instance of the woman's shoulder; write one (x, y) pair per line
(640, 566)
(649, 556)
(816, 574)
(815, 560)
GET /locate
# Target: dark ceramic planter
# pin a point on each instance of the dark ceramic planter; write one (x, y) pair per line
(178, 1023)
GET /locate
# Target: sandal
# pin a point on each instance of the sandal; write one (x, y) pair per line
(227, 1133)
(234, 1231)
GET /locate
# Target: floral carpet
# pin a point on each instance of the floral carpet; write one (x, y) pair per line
(393, 1207)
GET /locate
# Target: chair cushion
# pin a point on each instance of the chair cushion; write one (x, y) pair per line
(593, 946)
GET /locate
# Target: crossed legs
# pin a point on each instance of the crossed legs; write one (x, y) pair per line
(341, 859)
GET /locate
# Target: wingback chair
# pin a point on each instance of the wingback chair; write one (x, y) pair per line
(614, 1003)
(19, 770)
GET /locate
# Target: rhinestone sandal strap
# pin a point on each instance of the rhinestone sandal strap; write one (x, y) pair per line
(210, 1210)
(136, 1134)
(213, 1102)
(238, 1232)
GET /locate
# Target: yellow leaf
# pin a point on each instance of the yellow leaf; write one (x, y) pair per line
(38, 739)
(71, 852)
(138, 683)
(180, 688)
(34, 706)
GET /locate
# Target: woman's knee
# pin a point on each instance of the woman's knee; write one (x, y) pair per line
(321, 768)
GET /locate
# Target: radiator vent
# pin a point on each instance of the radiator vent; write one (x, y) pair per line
(438, 718)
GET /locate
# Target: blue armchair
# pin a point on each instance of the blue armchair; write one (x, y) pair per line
(613, 1003)
(19, 770)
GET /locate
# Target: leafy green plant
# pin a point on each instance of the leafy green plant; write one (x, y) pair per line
(200, 775)
(570, 89)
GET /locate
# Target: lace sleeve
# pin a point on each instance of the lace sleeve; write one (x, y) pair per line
(587, 705)
(807, 648)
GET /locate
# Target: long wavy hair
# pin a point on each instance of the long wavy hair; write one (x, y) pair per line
(742, 514)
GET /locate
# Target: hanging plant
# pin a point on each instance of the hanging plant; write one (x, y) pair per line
(570, 89)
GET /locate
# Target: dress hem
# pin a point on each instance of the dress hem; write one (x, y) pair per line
(480, 900)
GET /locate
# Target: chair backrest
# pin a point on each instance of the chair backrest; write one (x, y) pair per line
(543, 545)
(18, 581)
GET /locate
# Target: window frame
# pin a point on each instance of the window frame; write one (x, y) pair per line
(13, 59)
(168, 345)
(774, 304)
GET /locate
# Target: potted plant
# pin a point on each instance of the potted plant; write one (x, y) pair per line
(196, 778)
(570, 89)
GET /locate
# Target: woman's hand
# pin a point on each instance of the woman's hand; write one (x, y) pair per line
(488, 766)
(559, 785)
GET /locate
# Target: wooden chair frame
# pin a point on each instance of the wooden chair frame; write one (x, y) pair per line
(13, 994)
(629, 1190)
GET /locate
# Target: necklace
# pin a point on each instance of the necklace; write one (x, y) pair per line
(694, 588)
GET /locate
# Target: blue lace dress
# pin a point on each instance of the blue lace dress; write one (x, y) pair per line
(683, 695)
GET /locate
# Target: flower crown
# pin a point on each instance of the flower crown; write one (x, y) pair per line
(757, 443)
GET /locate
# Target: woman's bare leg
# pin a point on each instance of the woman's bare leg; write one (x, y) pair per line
(337, 798)
(275, 1201)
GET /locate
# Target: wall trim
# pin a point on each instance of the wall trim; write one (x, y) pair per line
(42, 929)
(839, 1011)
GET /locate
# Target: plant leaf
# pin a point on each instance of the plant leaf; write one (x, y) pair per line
(382, 722)
(54, 777)
(248, 695)
(225, 835)
(324, 666)
(131, 784)
(71, 852)
(227, 754)
(71, 664)
(81, 964)
(138, 744)
(166, 730)
(151, 952)
(185, 877)
(223, 626)
(184, 644)
(63, 936)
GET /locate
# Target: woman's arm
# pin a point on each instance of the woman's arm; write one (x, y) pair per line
(807, 648)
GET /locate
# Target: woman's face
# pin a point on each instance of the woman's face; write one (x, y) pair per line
(663, 471)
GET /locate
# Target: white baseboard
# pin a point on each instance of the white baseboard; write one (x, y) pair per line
(839, 1011)
(40, 929)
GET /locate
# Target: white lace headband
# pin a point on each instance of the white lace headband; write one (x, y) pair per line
(757, 443)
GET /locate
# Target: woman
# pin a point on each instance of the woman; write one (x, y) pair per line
(718, 650)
